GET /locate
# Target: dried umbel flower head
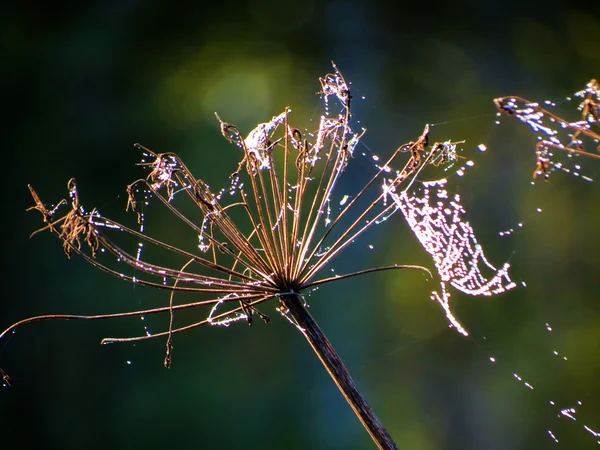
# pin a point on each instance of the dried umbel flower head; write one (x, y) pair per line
(275, 228)
(555, 132)
(286, 235)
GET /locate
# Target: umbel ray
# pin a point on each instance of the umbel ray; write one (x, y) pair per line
(551, 127)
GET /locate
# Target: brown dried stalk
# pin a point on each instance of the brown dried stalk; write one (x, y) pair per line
(282, 237)
(534, 115)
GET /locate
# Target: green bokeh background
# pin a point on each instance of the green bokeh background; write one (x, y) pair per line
(82, 82)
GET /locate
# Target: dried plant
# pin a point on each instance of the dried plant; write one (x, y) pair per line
(272, 232)
(552, 129)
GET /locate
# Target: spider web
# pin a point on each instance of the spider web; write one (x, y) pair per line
(439, 224)
(440, 221)
(563, 144)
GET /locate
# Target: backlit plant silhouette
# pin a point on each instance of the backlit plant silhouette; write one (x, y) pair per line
(555, 132)
(270, 235)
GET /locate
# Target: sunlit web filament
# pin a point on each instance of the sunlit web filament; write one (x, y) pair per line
(459, 259)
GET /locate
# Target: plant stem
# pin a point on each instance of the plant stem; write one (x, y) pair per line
(337, 370)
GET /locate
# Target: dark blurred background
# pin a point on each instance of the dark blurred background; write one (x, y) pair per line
(81, 82)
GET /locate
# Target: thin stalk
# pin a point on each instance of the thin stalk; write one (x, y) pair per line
(337, 370)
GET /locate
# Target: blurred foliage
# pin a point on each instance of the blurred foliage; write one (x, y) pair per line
(82, 82)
